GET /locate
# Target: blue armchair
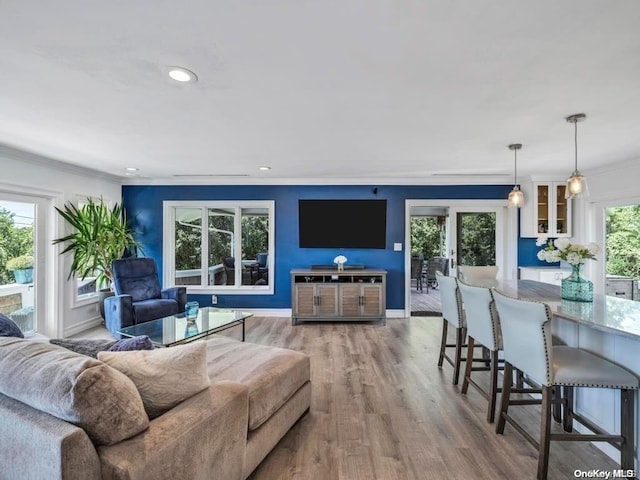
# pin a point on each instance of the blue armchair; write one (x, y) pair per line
(138, 295)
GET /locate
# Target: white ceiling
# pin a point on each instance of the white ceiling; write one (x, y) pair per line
(322, 89)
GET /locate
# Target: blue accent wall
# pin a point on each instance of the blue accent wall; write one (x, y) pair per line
(144, 208)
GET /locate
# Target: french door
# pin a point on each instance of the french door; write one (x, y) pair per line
(478, 232)
(22, 264)
(475, 237)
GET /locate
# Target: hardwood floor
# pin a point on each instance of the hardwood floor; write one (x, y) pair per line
(381, 409)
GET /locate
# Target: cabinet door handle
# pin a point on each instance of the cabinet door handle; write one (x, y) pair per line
(360, 300)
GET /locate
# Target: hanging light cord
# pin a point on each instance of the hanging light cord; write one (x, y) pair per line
(576, 143)
(515, 166)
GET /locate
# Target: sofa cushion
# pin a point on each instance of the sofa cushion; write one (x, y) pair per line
(72, 387)
(8, 328)
(164, 377)
(272, 374)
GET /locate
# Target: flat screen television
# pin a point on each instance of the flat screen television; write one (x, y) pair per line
(342, 223)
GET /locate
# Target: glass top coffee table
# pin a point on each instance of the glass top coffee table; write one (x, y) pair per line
(178, 329)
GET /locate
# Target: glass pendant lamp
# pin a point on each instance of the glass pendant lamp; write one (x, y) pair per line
(516, 197)
(576, 183)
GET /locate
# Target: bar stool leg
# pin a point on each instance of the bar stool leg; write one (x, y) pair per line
(493, 388)
(545, 433)
(460, 334)
(507, 375)
(443, 342)
(567, 412)
(627, 423)
(467, 371)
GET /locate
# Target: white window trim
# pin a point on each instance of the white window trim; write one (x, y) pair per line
(168, 242)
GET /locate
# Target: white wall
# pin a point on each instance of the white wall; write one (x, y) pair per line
(56, 183)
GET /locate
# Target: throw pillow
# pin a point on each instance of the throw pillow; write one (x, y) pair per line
(85, 346)
(8, 327)
(141, 342)
(164, 377)
(72, 387)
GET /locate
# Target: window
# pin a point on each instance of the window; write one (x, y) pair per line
(205, 259)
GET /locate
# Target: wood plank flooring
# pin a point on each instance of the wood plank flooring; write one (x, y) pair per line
(381, 409)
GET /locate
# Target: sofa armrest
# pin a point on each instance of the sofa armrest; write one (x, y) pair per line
(203, 437)
(179, 294)
(38, 445)
(118, 312)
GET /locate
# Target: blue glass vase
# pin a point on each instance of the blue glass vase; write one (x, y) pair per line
(575, 287)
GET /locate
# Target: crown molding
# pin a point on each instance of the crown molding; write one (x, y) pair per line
(13, 153)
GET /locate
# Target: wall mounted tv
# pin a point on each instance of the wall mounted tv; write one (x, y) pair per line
(342, 223)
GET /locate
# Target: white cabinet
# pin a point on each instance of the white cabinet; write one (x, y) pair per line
(551, 275)
(546, 211)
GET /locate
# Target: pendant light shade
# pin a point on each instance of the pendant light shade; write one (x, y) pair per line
(576, 183)
(516, 197)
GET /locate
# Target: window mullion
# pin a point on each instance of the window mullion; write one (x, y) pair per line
(204, 248)
(237, 245)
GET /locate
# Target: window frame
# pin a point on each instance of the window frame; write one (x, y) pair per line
(168, 251)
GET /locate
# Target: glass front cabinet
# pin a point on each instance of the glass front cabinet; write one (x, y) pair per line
(548, 212)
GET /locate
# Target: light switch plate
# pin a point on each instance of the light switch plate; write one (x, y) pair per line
(397, 247)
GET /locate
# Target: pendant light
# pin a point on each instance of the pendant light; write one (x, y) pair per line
(516, 197)
(576, 183)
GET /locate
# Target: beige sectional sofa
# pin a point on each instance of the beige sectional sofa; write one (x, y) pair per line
(257, 393)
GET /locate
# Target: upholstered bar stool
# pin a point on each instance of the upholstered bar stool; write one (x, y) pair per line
(526, 337)
(451, 314)
(483, 329)
(478, 275)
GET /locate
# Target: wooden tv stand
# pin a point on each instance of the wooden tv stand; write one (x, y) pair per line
(329, 295)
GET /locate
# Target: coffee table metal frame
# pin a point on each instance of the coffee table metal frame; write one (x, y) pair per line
(164, 332)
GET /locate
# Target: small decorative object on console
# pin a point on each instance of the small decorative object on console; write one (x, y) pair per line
(574, 287)
(191, 309)
(340, 260)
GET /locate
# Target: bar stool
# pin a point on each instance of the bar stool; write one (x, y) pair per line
(483, 328)
(526, 336)
(451, 314)
(473, 274)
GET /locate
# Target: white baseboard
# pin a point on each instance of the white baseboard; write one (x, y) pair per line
(395, 313)
(82, 326)
(268, 312)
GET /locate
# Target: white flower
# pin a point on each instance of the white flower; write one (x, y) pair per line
(340, 259)
(540, 241)
(593, 248)
(553, 256)
(542, 255)
(562, 243)
(574, 258)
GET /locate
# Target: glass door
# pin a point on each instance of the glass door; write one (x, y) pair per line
(18, 268)
(476, 238)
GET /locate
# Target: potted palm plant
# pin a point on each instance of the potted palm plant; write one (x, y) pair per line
(101, 234)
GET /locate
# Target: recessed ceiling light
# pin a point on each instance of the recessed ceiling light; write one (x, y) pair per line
(264, 168)
(180, 74)
(131, 174)
(131, 169)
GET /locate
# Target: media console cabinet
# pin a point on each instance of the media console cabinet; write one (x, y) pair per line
(327, 294)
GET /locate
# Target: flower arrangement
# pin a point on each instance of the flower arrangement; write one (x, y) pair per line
(20, 263)
(340, 260)
(563, 249)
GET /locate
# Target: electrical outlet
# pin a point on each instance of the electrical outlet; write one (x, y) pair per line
(214, 299)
